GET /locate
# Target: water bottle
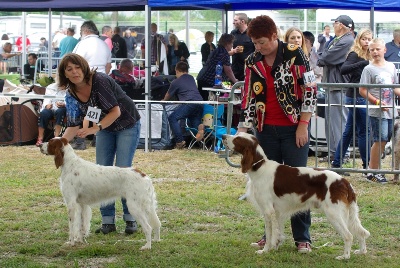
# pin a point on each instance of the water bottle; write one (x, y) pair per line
(218, 75)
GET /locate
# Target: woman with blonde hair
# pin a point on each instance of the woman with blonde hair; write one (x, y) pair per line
(357, 59)
(177, 51)
(295, 36)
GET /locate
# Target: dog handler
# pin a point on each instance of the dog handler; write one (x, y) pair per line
(278, 105)
(96, 97)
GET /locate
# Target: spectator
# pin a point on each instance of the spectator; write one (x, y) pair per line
(51, 108)
(312, 55)
(4, 39)
(282, 129)
(158, 43)
(324, 38)
(166, 36)
(379, 71)
(242, 45)
(357, 59)
(332, 59)
(97, 54)
(206, 76)
(119, 45)
(177, 51)
(131, 44)
(393, 49)
(29, 68)
(124, 73)
(106, 34)
(117, 128)
(58, 36)
(19, 43)
(44, 44)
(207, 47)
(185, 89)
(68, 43)
(295, 36)
(5, 54)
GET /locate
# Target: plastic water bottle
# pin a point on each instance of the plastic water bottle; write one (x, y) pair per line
(218, 75)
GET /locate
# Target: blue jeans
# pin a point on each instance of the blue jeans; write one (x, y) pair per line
(386, 129)
(360, 115)
(120, 145)
(279, 144)
(47, 114)
(191, 111)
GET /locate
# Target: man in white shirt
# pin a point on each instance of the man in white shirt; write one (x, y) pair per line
(93, 49)
(59, 35)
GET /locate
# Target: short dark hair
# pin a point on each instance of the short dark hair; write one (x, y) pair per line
(33, 55)
(225, 39)
(126, 63)
(90, 26)
(309, 36)
(262, 26)
(71, 30)
(182, 67)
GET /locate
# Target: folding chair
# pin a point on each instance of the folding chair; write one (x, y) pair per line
(212, 119)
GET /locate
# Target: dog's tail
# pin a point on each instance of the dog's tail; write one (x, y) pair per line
(354, 223)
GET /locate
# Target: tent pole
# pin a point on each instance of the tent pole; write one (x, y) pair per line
(147, 64)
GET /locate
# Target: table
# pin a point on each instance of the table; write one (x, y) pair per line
(222, 100)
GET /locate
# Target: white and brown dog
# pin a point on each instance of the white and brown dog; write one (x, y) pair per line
(279, 191)
(84, 183)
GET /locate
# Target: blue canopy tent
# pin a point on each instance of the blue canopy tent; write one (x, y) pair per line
(223, 5)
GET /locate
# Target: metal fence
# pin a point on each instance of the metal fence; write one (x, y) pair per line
(321, 139)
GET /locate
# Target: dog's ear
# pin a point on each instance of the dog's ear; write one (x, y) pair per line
(55, 147)
(64, 141)
(247, 159)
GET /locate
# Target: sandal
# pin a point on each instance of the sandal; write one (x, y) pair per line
(39, 142)
(200, 132)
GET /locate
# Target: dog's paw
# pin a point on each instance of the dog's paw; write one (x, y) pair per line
(261, 251)
(359, 251)
(70, 243)
(146, 247)
(343, 257)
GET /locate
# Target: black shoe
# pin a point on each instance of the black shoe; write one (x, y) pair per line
(106, 228)
(131, 227)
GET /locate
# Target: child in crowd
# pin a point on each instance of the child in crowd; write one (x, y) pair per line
(381, 115)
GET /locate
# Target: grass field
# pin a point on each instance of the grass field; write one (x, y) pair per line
(203, 222)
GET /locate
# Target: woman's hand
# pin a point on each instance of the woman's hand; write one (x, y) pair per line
(301, 135)
(83, 132)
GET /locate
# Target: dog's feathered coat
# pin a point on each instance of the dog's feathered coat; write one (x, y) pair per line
(280, 191)
(84, 183)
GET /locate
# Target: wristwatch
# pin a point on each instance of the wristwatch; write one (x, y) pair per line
(100, 126)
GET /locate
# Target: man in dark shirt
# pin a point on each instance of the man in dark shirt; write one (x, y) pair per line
(185, 89)
(29, 68)
(242, 45)
(119, 45)
(130, 43)
(393, 49)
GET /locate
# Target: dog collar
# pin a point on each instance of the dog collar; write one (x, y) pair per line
(259, 161)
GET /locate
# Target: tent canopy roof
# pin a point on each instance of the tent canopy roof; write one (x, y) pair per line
(131, 5)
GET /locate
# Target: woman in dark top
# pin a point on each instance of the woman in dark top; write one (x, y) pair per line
(116, 123)
(357, 59)
(207, 47)
(177, 51)
(206, 76)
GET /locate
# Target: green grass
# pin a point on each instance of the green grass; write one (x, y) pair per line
(203, 222)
